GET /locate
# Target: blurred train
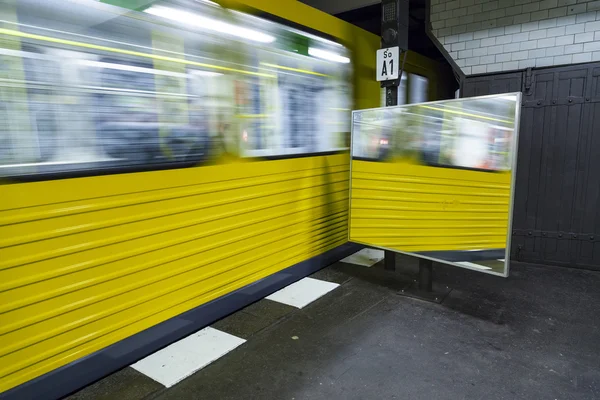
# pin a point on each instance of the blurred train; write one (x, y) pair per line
(141, 92)
(475, 135)
(161, 158)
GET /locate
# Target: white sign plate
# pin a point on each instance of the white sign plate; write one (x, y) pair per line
(388, 63)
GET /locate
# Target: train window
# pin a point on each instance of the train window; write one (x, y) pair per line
(149, 114)
(294, 114)
(304, 106)
(117, 97)
(29, 130)
(5, 143)
(412, 89)
(402, 88)
(418, 89)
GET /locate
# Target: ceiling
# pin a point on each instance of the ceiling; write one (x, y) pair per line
(339, 6)
(367, 15)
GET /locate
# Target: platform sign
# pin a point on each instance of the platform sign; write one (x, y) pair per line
(388, 64)
(436, 180)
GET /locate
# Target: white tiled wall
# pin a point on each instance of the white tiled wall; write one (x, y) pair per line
(502, 35)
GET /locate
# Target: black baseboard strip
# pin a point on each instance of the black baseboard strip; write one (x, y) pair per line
(83, 372)
(460, 255)
(552, 264)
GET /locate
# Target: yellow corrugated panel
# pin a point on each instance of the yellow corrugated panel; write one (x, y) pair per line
(411, 207)
(87, 262)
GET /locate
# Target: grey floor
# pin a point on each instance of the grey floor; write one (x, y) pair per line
(535, 335)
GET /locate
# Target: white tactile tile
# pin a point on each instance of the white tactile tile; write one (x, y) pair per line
(181, 359)
(365, 257)
(302, 293)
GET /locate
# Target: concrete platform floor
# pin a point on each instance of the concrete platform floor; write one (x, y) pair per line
(535, 335)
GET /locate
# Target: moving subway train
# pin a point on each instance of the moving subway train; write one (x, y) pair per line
(133, 90)
(161, 160)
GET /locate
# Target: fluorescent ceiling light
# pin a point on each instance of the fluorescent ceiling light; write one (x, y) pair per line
(299, 32)
(132, 68)
(204, 73)
(199, 21)
(314, 37)
(327, 55)
(212, 3)
(19, 53)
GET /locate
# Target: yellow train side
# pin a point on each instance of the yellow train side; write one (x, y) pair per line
(87, 262)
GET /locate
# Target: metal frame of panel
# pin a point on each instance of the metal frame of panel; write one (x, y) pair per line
(515, 141)
(513, 183)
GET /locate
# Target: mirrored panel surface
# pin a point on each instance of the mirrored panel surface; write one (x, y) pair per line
(436, 179)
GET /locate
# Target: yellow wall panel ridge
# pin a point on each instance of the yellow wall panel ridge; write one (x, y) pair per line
(421, 208)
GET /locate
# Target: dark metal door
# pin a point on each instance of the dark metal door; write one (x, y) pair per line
(492, 84)
(556, 219)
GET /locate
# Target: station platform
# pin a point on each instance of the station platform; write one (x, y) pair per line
(533, 335)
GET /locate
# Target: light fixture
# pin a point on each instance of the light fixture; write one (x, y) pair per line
(287, 28)
(153, 71)
(509, 97)
(200, 21)
(130, 68)
(327, 55)
(211, 3)
(204, 73)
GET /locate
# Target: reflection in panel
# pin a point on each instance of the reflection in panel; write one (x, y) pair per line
(413, 88)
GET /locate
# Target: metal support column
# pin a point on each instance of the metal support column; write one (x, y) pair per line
(425, 275)
(391, 96)
(423, 288)
(394, 29)
(394, 40)
(389, 260)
